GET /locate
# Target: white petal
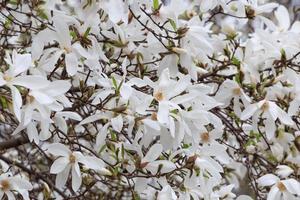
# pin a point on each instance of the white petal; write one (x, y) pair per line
(41, 97)
(163, 113)
(267, 180)
(62, 177)
(270, 128)
(126, 91)
(283, 17)
(22, 63)
(93, 162)
(249, 111)
(58, 87)
(32, 133)
(17, 101)
(31, 81)
(152, 124)
(273, 194)
(292, 185)
(76, 178)
(58, 149)
(10, 195)
(117, 123)
(153, 153)
(71, 64)
(59, 165)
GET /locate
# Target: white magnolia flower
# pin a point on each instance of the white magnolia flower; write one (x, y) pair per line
(9, 184)
(231, 90)
(280, 189)
(69, 160)
(270, 111)
(19, 64)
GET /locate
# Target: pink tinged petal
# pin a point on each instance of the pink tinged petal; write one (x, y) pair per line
(292, 185)
(41, 97)
(58, 149)
(76, 177)
(249, 111)
(62, 177)
(267, 180)
(163, 113)
(17, 101)
(270, 128)
(71, 64)
(153, 153)
(117, 123)
(33, 82)
(1, 194)
(274, 193)
(59, 165)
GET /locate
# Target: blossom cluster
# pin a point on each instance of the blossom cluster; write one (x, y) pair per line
(149, 99)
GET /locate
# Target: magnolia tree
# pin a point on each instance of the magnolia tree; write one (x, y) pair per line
(141, 99)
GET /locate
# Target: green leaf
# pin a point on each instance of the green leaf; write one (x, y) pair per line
(3, 102)
(156, 4)
(236, 62)
(173, 24)
(86, 33)
(41, 13)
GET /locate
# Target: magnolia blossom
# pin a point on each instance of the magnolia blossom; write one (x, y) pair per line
(280, 189)
(270, 111)
(9, 184)
(20, 63)
(69, 160)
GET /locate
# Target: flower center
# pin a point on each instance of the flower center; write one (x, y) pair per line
(72, 159)
(7, 78)
(236, 91)
(204, 137)
(29, 99)
(281, 186)
(67, 50)
(5, 185)
(159, 96)
(265, 106)
(154, 116)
